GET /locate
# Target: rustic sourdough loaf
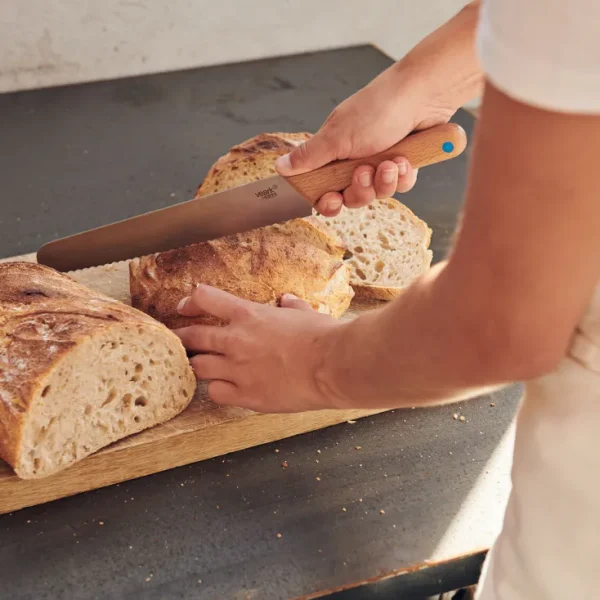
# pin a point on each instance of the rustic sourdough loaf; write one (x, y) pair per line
(249, 161)
(78, 370)
(300, 257)
(390, 245)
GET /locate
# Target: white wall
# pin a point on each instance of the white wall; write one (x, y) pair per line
(51, 42)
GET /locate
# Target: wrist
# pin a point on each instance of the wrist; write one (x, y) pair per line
(422, 93)
(443, 70)
(332, 368)
(346, 376)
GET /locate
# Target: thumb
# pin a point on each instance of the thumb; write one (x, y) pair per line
(291, 301)
(312, 154)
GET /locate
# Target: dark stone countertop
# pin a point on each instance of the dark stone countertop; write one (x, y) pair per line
(77, 157)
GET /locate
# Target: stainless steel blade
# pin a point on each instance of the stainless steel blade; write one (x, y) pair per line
(239, 209)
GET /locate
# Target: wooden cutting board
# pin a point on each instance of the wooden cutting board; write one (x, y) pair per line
(202, 431)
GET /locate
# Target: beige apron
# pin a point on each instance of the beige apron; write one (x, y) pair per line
(549, 547)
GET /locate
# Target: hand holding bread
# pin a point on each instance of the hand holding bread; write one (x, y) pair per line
(265, 358)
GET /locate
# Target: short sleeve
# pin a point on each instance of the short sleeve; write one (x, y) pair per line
(543, 52)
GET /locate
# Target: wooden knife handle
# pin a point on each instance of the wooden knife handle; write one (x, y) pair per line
(421, 148)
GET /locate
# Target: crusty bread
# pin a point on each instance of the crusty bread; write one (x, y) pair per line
(78, 370)
(393, 242)
(389, 246)
(249, 161)
(300, 257)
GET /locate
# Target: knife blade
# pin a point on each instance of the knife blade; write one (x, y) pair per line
(256, 204)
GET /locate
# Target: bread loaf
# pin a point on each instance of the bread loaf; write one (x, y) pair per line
(389, 243)
(249, 161)
(299, 257)
(78, 370)
(389, 246)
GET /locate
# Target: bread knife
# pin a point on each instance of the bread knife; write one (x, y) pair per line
(256, 204)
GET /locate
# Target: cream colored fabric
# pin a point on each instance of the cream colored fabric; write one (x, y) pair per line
(550, 542)
(543, 52)
(546, 53)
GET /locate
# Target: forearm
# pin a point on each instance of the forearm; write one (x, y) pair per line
(424, 348)
(445, 66)
(504, 306)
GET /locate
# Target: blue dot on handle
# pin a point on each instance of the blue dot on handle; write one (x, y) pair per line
(447, 147)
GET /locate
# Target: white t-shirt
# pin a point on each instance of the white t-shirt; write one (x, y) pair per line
(546, 53)
(543, 52)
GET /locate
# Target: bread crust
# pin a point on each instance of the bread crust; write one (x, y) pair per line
(43, 315)
(254, 159)
(376, 292)
(249, 161)
(299, 257)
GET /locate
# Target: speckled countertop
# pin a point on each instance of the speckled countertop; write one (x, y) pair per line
(356, 500)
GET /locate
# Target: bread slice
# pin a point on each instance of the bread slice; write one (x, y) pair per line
(300, 257)
(78, 370)
(249, 161)
(389, 243)
(389, 247)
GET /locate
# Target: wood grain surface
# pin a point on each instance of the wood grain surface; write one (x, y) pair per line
(202, 431)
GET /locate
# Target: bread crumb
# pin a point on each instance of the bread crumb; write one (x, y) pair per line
(318, 479)
(360, 499)
(285, 464)
(462, 418)
(382, 512)
(351, 422)
(318, 452)
(357, 447)
(455, 417)
(492, 404)
(276, 450)
(344, 509)
(100, 522)
(29, 521)
(279, 536)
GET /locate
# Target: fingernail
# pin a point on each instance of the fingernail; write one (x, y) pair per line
(365, 179)
(388, 175)
(290, 297)
(182, 303)
(284, 164)
(333, 204)
(402, 169)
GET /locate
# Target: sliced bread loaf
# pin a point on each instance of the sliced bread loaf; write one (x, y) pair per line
(389, 243)
(389, 247)
(78, 370)
(300, 257)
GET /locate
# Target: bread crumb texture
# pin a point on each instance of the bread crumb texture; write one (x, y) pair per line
(78, 370)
